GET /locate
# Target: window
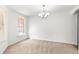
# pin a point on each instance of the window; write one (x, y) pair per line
(1, 21)
(21, 25)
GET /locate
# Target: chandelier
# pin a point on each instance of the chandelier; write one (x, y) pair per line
(43, 14)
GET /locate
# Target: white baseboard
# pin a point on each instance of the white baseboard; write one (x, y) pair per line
(18, 39)
(52, 40)
(3, 46)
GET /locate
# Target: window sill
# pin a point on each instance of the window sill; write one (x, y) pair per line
(21, 34)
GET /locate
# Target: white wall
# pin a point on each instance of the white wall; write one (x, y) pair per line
(3, 33)
(59, 27)
(13, 35)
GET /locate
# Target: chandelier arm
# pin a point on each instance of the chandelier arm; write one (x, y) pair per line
(43, 14)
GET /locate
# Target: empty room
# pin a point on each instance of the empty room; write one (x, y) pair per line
(39, 29)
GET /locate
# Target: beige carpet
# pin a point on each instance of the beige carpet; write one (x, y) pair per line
(40, 47)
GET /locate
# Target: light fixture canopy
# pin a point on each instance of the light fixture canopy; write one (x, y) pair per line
(43, 14)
